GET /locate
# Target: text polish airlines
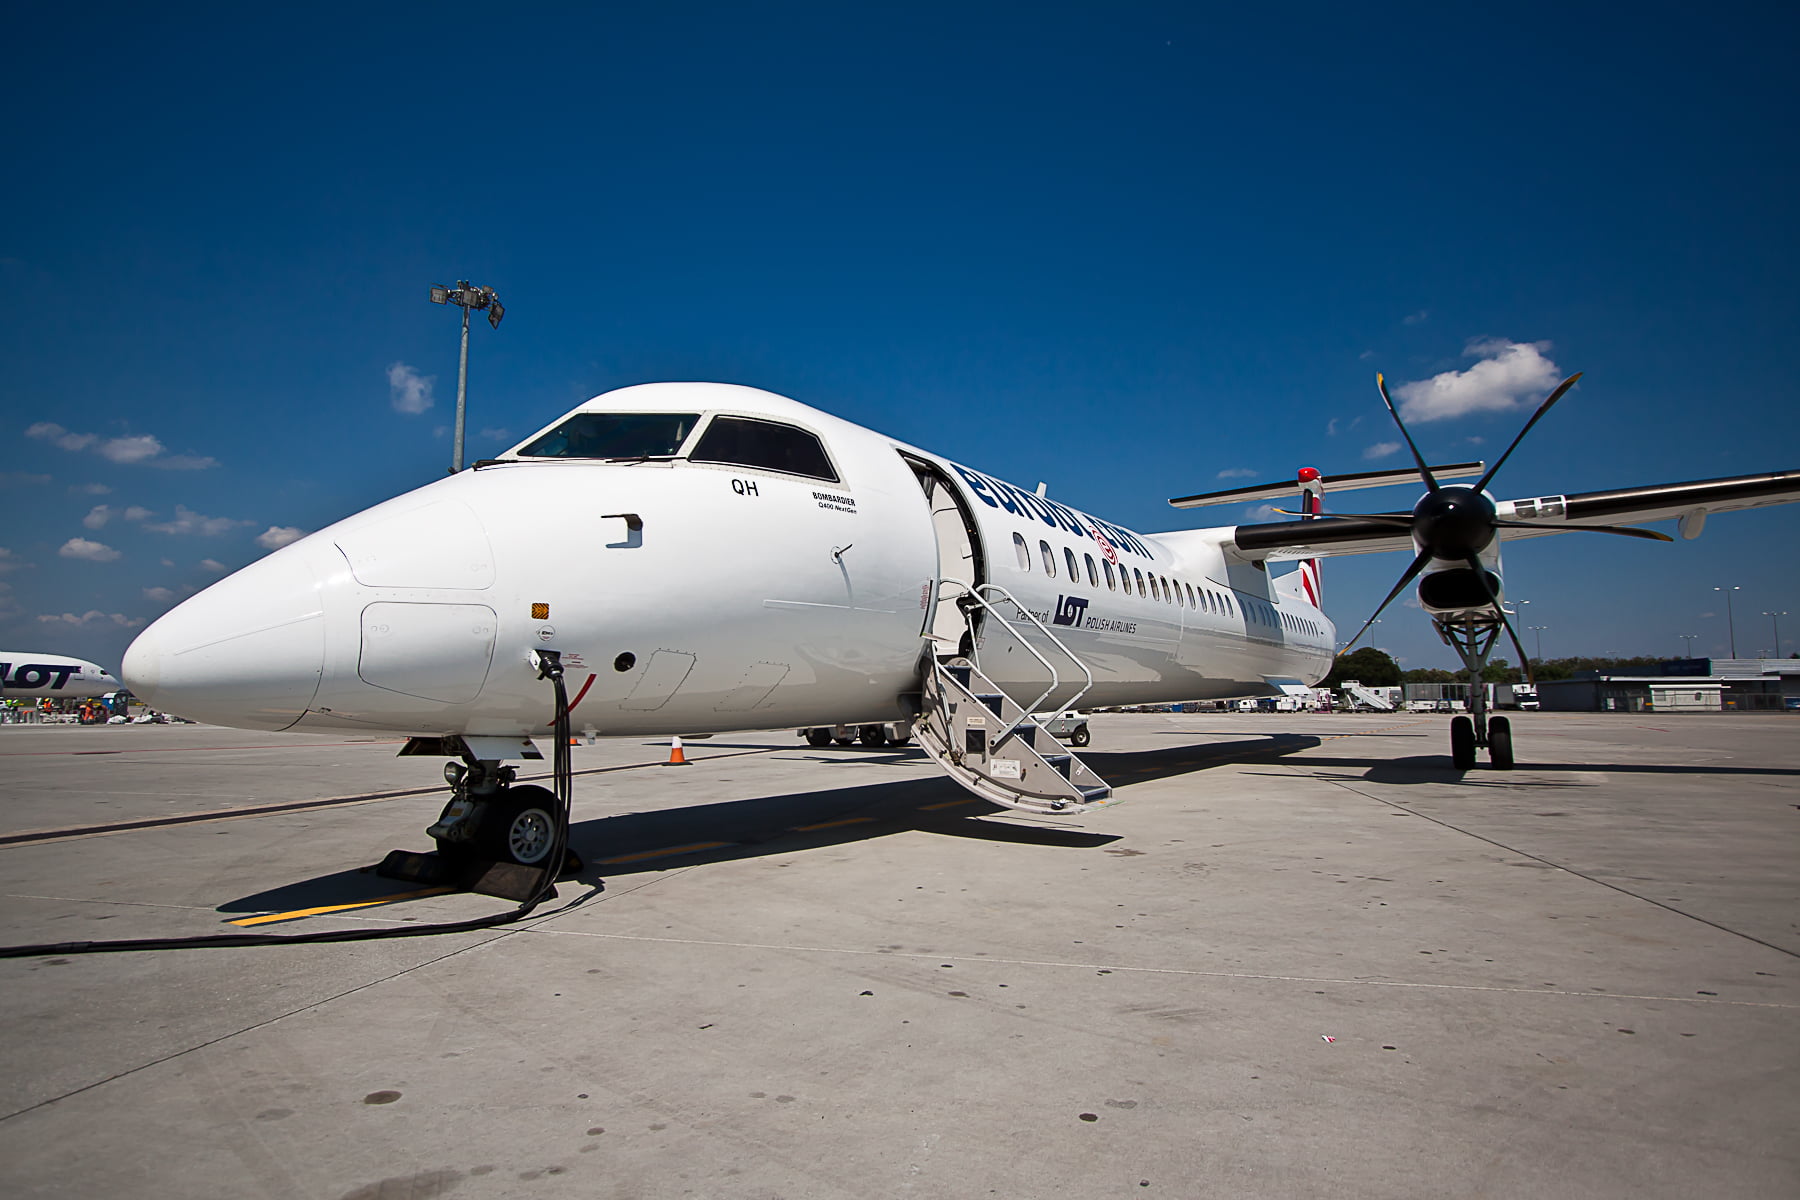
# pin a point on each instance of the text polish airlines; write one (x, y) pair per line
(706, 557)
(27, 673)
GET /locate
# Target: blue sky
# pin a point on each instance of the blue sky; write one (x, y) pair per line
(1133, 250)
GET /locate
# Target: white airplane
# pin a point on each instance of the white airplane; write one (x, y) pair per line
(27, 673)
(703, 557)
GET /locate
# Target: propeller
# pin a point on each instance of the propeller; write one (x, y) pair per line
(1456, 523)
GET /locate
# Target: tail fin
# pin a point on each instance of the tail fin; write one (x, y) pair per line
(1312, 503)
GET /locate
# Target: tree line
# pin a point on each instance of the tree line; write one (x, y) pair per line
(1376, 668)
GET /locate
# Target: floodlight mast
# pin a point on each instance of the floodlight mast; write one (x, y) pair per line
(466, 297)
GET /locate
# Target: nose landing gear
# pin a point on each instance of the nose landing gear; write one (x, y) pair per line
(495, 836)
(489, 817)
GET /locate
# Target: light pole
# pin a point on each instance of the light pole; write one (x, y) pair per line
(1539, 630)
(466, 297)
(1689, 639)
(1776, 618)
(1730, 623)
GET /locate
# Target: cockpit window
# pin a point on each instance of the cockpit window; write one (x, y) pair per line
(750, 443)
(614, 435)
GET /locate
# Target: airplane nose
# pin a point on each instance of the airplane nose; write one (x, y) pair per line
(247, 651)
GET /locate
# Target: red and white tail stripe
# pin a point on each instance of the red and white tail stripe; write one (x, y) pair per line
(1312, 495)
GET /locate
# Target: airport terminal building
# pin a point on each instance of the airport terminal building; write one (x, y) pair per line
(1683, 685)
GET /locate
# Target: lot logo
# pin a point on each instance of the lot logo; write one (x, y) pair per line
(1069, 610)
(35, 675)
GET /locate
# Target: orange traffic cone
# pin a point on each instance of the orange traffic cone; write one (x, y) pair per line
(676, 757)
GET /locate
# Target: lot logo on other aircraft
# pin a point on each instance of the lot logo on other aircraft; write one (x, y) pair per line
(1069, 610)
(35, 675)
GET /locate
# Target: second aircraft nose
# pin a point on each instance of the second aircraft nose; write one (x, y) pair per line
(247, 651)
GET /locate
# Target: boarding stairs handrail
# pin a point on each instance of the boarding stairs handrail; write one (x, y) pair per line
(975, 595)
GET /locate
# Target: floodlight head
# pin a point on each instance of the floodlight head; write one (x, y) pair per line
(496, 311)
(440, 294)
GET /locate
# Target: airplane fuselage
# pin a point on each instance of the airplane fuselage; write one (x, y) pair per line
(704, 590)
(29, 674)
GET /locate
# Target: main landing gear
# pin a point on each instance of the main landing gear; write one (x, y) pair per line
(1472, 637)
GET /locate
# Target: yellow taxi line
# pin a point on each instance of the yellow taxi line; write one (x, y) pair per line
(269, 918)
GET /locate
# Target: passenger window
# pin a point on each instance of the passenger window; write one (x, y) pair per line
(1049, 556)
(744, 442)
(1140, 581)
(1106, 565)
(1093, 575)
(1023, 551)
(1069, 562)
(1193, 600)
(614, 435)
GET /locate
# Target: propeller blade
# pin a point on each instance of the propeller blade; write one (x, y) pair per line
(1622, 530)
(1543, 408)
(1524, 662)
(1431, 484)
(1412, 573)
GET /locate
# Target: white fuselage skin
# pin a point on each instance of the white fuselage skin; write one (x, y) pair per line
(28, 674)
(744, 599)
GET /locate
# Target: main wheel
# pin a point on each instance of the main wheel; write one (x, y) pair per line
(519, 826)
(818, 736)
(1500, 750)
(1462, 743)
(871, 735)
(1080, 737)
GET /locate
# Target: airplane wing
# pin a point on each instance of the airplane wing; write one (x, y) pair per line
(1690, 503)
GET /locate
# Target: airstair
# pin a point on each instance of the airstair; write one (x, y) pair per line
(1365, 698)
(985, 739)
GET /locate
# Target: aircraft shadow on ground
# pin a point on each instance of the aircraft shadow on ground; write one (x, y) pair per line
(810, 820)
(1436, 768)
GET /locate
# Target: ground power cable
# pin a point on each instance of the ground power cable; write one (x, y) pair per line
(549, 664)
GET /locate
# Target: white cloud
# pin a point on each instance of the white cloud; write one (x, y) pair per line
(127, 451)
(87, 551)
(9, 561)
(496, 435)
(1507, 375)
(130, 449)
(90, 489)
(187, 521)
(161, 595)
(1264, 512)
(92, 619)
(409, 390)
(138, 512)
(277, 536)
(97, 516)
(55, 434)
(1418, 318)
(214, 565)
(1237, 473)
(10, 608)
(1381, 450)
